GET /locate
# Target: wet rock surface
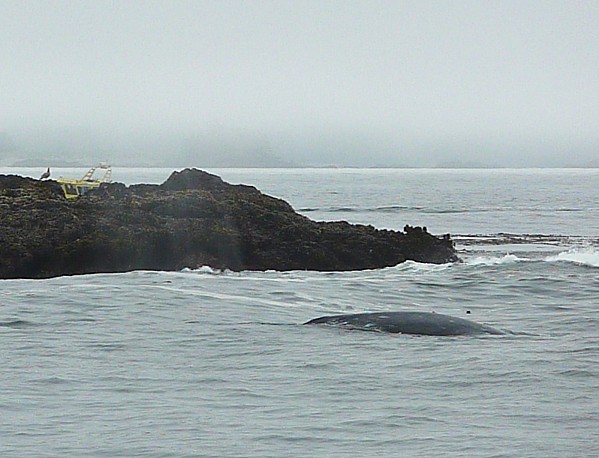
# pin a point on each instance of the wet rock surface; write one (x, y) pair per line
(192, 219)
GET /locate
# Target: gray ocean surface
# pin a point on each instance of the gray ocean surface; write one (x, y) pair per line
(206, 363)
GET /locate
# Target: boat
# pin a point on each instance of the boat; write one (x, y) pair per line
(74, 188)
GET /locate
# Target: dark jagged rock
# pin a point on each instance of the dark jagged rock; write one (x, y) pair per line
(192, 219)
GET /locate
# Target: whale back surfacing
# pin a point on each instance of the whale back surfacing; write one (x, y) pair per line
(419, 323)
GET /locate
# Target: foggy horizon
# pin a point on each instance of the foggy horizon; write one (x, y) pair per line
(312, 83)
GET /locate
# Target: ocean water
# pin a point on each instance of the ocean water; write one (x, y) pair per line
(215, 363)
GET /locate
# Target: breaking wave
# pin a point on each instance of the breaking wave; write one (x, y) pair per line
(494, 260)
(584, 256)
(581, 256)
(207, 270)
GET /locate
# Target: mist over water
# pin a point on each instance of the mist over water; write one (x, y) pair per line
(215, 363)
(315, 83)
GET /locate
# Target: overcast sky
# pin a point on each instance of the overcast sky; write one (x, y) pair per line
(314, 82)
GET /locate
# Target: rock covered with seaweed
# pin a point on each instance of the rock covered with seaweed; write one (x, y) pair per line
(192, 219)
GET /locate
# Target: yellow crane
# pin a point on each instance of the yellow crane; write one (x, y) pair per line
(73, 188)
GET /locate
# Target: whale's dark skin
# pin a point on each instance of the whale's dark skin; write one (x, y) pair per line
(418, 323)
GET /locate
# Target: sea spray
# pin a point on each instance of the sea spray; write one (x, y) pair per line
(588, 256)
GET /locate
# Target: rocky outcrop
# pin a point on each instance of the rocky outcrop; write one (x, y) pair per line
(192, 219)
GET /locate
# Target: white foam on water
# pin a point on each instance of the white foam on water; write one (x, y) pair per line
(418, 267)
(494, 260)
(585, 256)
(204, 270)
